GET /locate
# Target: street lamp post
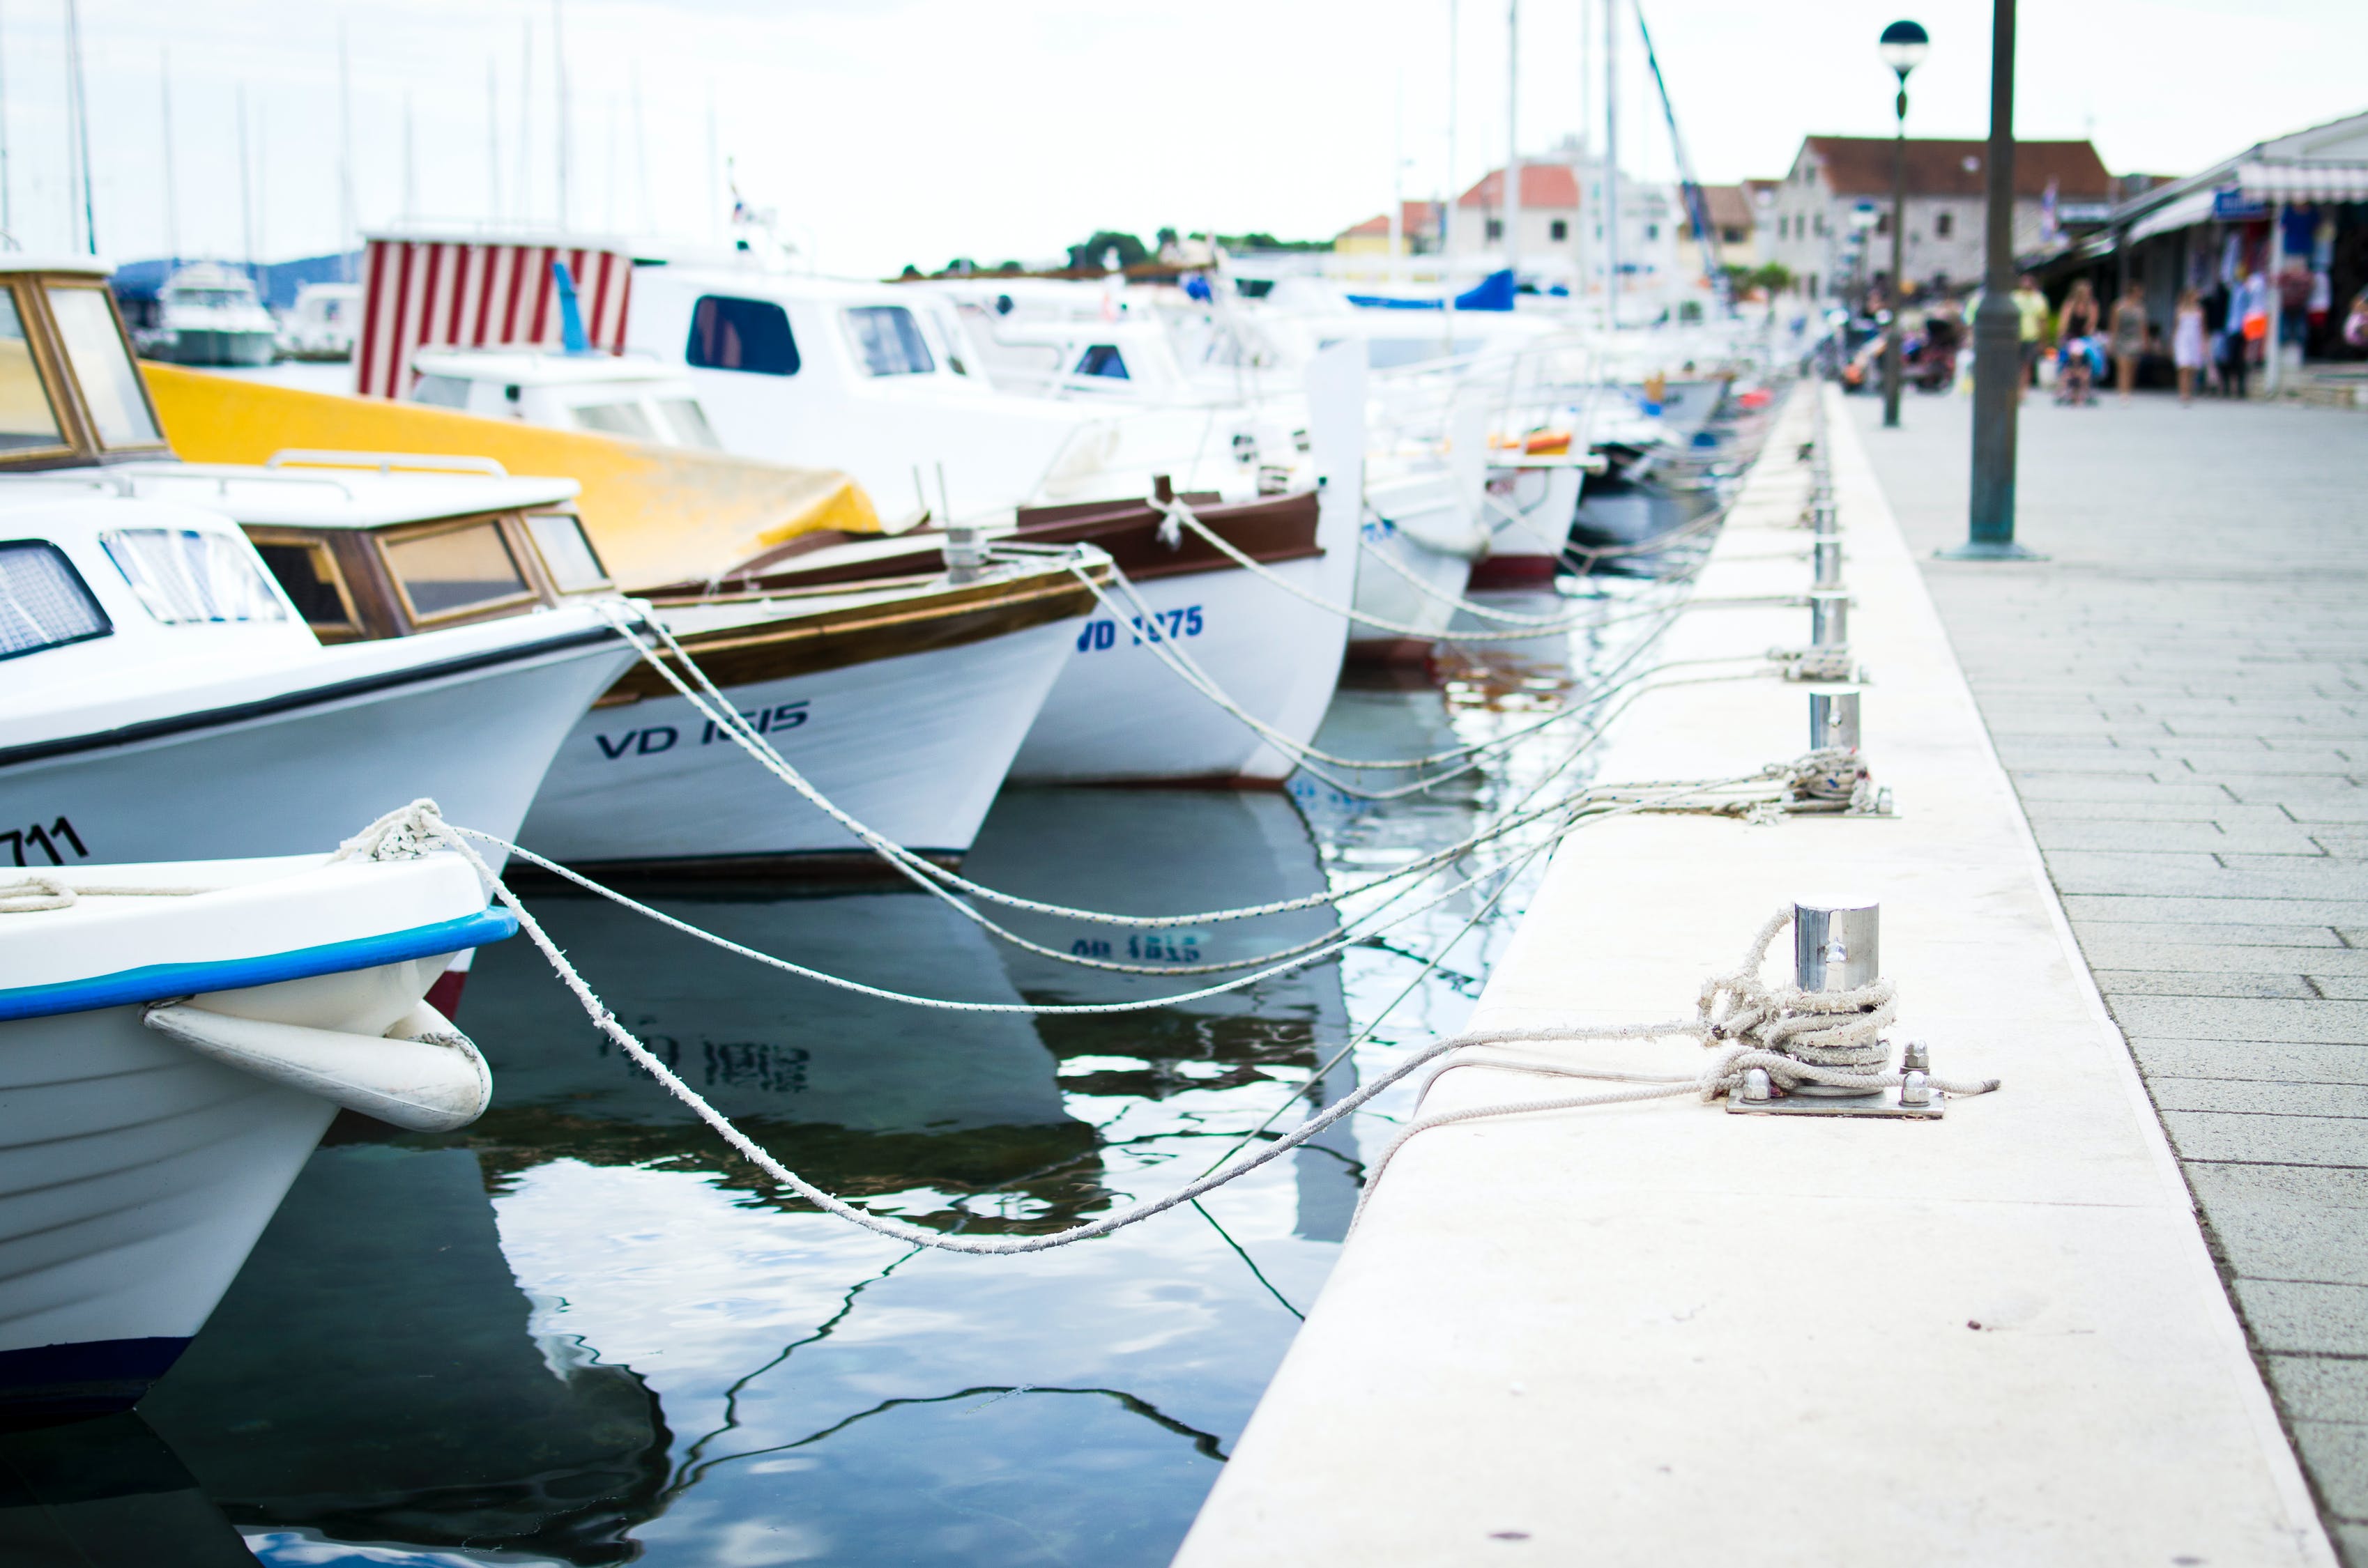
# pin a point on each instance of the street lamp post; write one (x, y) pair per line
(1998, 349)
(1903, 48)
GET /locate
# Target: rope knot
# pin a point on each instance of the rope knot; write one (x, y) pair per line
(408, 833)
(33, 893)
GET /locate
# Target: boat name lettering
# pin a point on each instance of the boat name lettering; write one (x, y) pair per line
(1164, 626)
(46, 839)
(1148, 947)
(786, 716)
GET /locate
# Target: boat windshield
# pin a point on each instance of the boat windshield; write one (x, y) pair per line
(183, 575)
(27, 416)
(621, 418)
(456, 569)
(689, 422)
(94, 348)
(890, 340)
(43, 602)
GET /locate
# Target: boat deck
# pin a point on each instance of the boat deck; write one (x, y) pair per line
(1659, 1333)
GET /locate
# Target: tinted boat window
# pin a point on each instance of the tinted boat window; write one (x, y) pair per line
(689, 422)
(442, 391)
(110, 386)
(186, 575)
(1103, 360)
(890, 340)
(456, 569)
(616, 419)
(43, 602)
(26, 418)
(308, 573)
(566, 554)
(728, 334)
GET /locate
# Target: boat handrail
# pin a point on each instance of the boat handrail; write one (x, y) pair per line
(385, 462)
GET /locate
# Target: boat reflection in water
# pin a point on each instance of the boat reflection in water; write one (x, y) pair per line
(826, 1391)
(107, 1493)
(1222, 849)
(372, 1377)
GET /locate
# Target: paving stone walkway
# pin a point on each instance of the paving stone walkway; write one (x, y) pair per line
(2181, 696)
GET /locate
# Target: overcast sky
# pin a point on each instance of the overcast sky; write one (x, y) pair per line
(895, 131)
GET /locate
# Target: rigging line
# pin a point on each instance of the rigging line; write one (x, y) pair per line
(934, 879)
(1255, 1272)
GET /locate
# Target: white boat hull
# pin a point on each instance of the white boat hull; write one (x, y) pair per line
(1120, 714)
(259, 781)
(914, 747)
(1428, 535)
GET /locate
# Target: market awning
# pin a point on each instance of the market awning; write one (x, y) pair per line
(2327, 181)
(2193, 208)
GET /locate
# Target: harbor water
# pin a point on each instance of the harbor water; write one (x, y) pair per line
(581, 1331)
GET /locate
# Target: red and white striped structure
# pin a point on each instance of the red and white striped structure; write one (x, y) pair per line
(420, 292)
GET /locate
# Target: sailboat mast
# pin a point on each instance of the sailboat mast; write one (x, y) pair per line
(78, 100)
(172, 193)
(559, 75)
(642, 156)
(7, 212)
(245, 188)
(1612, 162)
(493, 142)
(346, 216)
(1447, 209)
(526, 120)
(1513, 139)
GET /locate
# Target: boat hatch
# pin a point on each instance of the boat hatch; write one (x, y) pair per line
(356, 584)
(69, 390)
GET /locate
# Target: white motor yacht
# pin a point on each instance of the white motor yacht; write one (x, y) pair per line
(208, 315)
(320, 325)
(174, 1039)
(164, 698)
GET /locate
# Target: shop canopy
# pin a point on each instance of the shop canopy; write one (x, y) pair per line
(2317, 180)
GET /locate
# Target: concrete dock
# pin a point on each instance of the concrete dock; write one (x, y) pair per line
(1659, 1333)
(2181, 696)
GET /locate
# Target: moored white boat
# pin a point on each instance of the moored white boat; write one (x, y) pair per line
(1418, 543)
(137, 1163)
(902, 704)
(208, 315)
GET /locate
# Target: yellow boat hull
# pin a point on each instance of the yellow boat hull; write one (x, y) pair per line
(656, 514)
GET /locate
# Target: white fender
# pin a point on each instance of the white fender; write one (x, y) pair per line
(422, 1074)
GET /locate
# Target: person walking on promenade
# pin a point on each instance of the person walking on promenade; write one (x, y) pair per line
(2030, 322)
(2073, 331)
(2187, 343)
(2248, 322)
(2355, 325)
(2129, 334)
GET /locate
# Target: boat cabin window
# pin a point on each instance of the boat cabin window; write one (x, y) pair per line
(616, 419)
(1103, 360)
(442, 391)
(110, 386)
(566, 554)
(26, 417)
(307, 571)
(187, 576)
(449, 569)
(690, 423)
(890, 340)
(728, 334)
(44, 603)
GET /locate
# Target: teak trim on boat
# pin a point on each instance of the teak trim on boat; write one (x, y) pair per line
(529, 590)
(860, 634)
(327, 566)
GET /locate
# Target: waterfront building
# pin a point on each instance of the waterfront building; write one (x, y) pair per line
(1561, 235)
(1832, 209)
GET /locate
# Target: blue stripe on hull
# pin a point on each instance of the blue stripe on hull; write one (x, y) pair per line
(153, 982)
(91, 1379)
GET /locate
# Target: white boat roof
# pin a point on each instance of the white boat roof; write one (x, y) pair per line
(301, 495)
(543, 368)
(24, 261)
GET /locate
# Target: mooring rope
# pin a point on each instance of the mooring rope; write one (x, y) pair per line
(34, 893)
(1758, 1013)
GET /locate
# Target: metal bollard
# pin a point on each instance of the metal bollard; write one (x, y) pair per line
(1829, 562)
(1828, 619)
(965, 555)
(1837, 945)
(1833, 721)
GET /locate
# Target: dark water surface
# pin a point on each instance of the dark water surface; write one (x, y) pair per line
(580, 1331)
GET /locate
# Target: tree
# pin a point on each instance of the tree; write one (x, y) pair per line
(1093, 255)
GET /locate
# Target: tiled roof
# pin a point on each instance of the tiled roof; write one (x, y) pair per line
(1861, 166)
(1416, 217)
(1543, 185)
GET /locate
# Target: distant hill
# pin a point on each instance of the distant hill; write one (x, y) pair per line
(277, 281)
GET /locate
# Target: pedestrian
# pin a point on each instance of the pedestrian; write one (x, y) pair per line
(2248, 323)
(2031, 324)
(2074, 329)
(2355, 325)
(2129, 334)
(2187, 343)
